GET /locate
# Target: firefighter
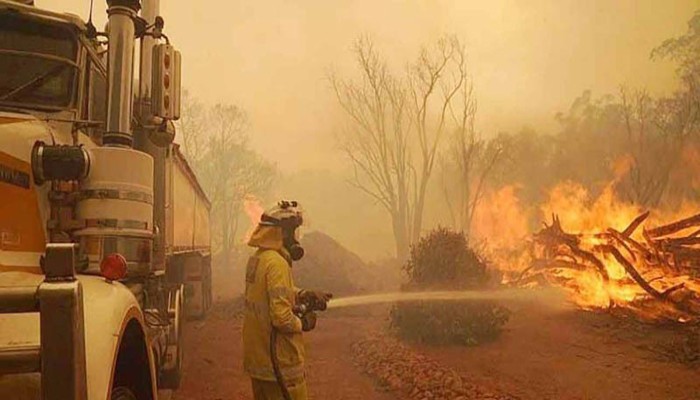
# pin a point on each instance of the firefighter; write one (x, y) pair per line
(273, 349)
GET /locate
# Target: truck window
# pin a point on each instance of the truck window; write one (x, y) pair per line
(96, 100)
(37, 63)
(98, 95)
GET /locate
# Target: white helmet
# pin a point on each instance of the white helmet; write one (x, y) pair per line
(286, 214)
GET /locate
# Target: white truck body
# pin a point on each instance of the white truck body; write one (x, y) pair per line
(188, 240)
(187, 209)
(66, 331)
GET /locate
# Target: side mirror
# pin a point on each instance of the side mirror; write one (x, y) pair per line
(165, 94)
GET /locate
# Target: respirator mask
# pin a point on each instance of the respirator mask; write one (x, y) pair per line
(291, 243)
(288, 217)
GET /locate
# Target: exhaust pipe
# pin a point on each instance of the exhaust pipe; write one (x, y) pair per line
(120, 71)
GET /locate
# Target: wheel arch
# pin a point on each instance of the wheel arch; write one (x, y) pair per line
(132, 365)
(114, 327)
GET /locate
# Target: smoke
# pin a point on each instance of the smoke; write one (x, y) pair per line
(527, 60)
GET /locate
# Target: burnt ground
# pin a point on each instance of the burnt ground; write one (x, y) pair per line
(542, 354)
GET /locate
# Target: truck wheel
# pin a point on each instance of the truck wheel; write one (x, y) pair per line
(170, 378)
(208, 292)
(123, 393)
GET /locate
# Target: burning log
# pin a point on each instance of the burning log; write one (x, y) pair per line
(635, 224)
(675, 227)
(574, 260)
(553, 239)
(633, 272)
(626, 241)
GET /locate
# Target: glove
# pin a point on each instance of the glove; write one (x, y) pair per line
(308, 321)
(314, 300)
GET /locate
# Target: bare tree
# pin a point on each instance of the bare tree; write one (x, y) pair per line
(435, 79)
(191, 128)
(215, 141)
(469, 162)
(377, 138)
(395, 127)
(656, 133)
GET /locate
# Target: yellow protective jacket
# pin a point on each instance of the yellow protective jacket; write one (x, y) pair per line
(269, 297)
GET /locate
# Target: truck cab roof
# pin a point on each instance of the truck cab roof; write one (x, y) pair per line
(44, 15)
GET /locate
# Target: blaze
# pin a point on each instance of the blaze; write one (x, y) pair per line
(500, 224)
(604, 252)
(254, 211)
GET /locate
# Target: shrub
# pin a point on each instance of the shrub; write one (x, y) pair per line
(449, 322)
(443, 260)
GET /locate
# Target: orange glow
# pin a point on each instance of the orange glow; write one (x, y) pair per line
(500, 219)
(501, 225)
(594, 224)
(254, 210)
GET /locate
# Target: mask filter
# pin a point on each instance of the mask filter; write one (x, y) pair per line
(296, 252)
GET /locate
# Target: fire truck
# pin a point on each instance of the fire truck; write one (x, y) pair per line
(104, 228)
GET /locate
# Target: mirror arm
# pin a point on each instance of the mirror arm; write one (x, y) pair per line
(153, 122)
(155, 30)
(157, 35)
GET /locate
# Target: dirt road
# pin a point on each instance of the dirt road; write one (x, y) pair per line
(580, 355)
(568, 356)
(214, 371)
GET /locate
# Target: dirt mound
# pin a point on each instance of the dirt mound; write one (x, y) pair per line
(330, 266)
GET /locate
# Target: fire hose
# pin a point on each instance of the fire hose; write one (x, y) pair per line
(276, 366)
(300, 310)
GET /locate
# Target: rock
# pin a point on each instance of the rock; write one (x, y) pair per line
(416, 377)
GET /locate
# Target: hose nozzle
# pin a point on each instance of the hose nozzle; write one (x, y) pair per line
(311, 302)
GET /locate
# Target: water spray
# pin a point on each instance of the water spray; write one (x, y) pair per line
(511, 295)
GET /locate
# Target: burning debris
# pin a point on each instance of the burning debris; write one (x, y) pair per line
(653, 273)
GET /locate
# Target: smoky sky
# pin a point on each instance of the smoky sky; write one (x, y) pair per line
(529, 59)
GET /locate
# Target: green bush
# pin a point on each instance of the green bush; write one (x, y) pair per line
(449, 322)
(443, 260)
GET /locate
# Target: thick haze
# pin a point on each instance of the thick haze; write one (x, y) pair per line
(529, 59)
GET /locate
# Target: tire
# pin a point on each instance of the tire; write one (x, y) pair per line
(208, 293)
(122, 393)
(170, 378)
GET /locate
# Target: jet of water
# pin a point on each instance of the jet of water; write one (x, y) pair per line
(461, 295)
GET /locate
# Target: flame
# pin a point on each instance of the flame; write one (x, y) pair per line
(587, 219)
(500, 219)
(254, 210)
(501, 224)
(582, 213)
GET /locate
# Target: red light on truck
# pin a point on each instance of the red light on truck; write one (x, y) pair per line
(113, 267)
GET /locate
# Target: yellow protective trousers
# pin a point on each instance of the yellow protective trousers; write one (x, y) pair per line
(270, 390)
